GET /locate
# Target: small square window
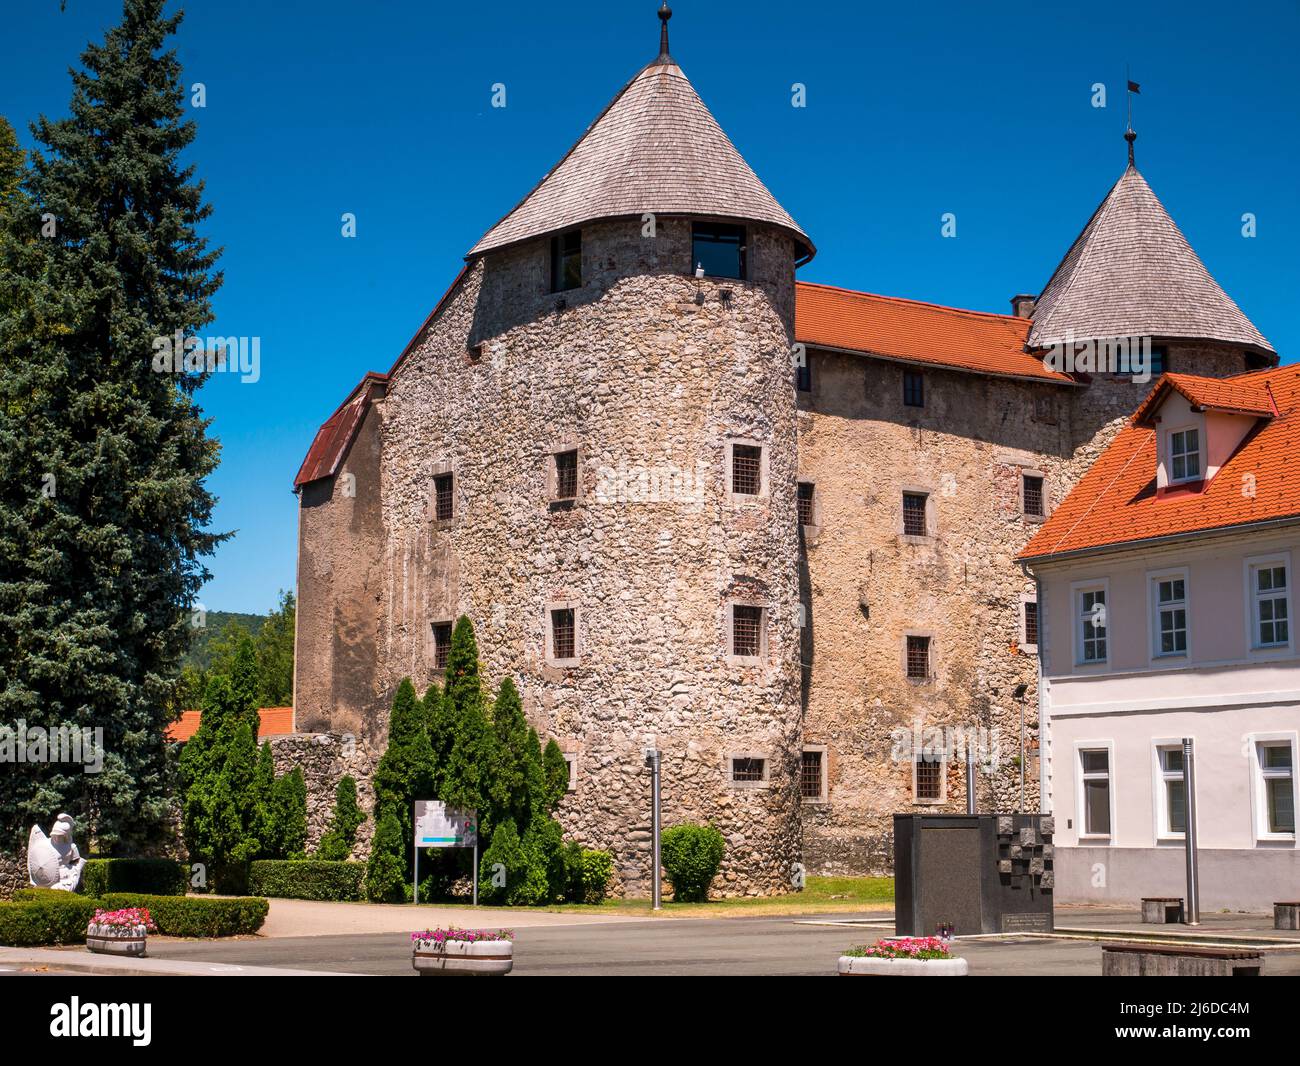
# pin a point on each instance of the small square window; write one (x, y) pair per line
(1032, 486)
(566, 475)
(719, 249)
(929, 779)
(563, 633)
(746, 630)
(444, 500)
(746, 469)
(810, 775)
(918, 658)
(566, 261)
(1031, 623)
(748, 769)
(913, 388)
(441, 644)
(805, 503)
(914, 523)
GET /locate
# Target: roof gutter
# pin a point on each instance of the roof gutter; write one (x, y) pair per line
(1028, 562)
(911, 360)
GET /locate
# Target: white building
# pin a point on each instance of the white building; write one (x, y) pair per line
(1164, 612)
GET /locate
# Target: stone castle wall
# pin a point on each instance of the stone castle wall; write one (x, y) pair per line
(649, 373)
(871, 586)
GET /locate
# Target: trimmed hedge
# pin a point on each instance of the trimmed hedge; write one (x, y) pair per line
(195, 916)
(597, 866)
(45, 916)
(691, 855)
(307, 879)
(156, 877)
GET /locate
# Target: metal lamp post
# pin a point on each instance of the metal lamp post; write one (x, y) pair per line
(1193, 915)
(652, 761)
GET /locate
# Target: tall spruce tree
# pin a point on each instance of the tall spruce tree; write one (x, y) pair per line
(103, 510)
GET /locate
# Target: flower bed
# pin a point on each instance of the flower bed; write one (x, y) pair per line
(120, 932)
(904, 956)
(463, 952)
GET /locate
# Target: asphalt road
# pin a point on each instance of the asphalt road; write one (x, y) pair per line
(666, 947)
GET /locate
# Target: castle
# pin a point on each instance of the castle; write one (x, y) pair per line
(769, 527)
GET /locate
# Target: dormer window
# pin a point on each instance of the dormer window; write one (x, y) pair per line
(1185, 455)
(566, 261)
(718, 249)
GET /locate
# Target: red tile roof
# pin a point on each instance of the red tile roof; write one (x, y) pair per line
(917, 332)
(275, 722)
(1248, 395)
(1115, 502)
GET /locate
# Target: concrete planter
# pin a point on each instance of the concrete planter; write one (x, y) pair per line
(483, 958)
(128, 940)
(861, 966)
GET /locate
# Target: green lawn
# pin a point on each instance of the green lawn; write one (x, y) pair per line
(821, 895)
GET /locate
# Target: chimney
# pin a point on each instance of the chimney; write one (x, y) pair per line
(1022, 305)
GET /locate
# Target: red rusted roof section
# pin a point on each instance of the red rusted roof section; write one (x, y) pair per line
(1242, 395)
(333, 438)
(275, 722)
(916, 332)
(1116, 502)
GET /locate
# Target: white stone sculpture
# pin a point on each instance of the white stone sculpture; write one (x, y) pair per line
(53, 861)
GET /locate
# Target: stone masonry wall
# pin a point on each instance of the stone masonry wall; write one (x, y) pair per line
(324, 758)
(871, 586)
(649, 373)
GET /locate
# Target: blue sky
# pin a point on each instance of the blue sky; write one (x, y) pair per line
(383, 109)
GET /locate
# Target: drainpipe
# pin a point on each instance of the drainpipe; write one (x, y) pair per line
(970, 778)
(1193, 913)
(652, 760)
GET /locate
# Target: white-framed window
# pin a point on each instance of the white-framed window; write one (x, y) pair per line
(812, 773)
(1185, 454)
(1095, 791)
(1275, 787)
(1270, 603)
(1169, 614)
(1171, 791)
(563, 633)
(1090, 624)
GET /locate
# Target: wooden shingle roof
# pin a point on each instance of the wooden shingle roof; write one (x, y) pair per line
(1131, 273)
(655, 148)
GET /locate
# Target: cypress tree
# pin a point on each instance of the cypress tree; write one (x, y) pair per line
(507, 787)
(556, 770)
(289, 816)
(385, 877)
(103, 510)
(341, 834)
(405, 770)
(466, 781)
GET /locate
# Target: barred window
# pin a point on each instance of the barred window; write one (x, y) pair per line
(566, 475)
(914, 524)
(1033, 494)
(1031, 622)
(805, 503)
(810, 775)
(746, 469)
(913, 388)
(746, 769)
(929, 778)
(918, 657)
(441, 644)
(746, 630)
(444, 498)
(563, 633)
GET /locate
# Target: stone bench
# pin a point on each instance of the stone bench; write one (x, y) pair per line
(1162, 910)
(1286, 915)
(1133, 959)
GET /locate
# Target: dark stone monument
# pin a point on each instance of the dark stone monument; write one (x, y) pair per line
(979, 873)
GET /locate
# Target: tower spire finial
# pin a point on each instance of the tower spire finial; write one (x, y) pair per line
(665, 13)
(1129, 135)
